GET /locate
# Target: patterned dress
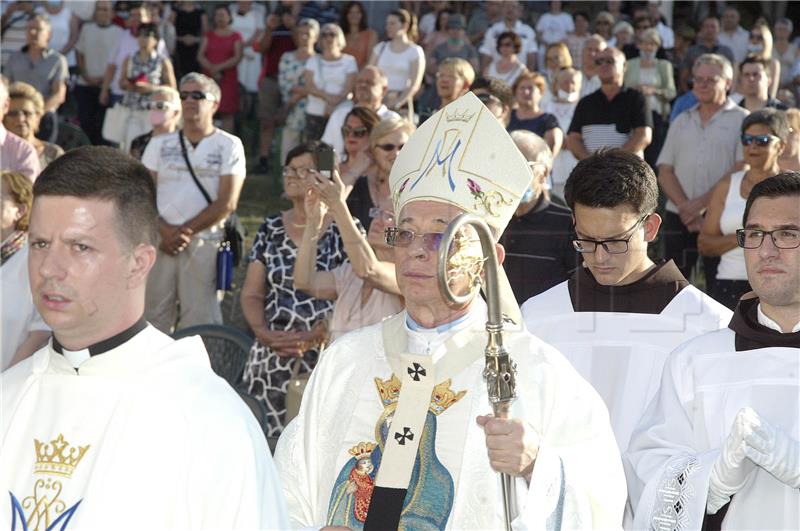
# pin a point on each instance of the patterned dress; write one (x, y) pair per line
(266, 374)
(150, 70)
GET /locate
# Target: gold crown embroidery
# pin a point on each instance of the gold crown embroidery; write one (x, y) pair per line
(57, 457)
(459, 116)
(442, 397)
(362, 449)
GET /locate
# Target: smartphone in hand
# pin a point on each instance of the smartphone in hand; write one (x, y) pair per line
(326, 161)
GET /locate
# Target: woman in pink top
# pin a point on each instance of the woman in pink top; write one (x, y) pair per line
(220, 51)
(365, 288)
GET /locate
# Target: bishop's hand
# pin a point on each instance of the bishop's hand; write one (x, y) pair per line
(732, 467)
(512, 445)
(775, 451)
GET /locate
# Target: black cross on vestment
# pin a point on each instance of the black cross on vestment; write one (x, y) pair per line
(401, 437)
(416, 371)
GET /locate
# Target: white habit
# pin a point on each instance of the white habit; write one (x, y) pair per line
(329, 456)
(622, 352)
(706, 382)
(141, 436)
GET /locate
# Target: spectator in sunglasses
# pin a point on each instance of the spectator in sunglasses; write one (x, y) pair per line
(385, 142)
(764, 134)
(355, 134)
(164, 114)
(370, 88)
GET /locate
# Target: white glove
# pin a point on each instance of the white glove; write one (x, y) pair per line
(776, 452)
(732, 468)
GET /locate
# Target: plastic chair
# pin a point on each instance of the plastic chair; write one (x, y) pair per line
(228, 349)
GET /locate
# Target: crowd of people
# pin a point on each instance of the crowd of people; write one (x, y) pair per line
(630, 164)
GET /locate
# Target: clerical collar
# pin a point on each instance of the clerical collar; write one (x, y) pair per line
(650, 294)
(751, 334)
(427, 341)
(416, 327)
(103, 346)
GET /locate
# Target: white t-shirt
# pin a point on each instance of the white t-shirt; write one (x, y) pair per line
(333, 130)
(330, 76)
(554, 28)
(96, 44)
(179, 198)
(526, 34)
(397, 66)
(19, 314)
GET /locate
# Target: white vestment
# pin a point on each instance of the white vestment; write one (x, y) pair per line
(143, 436)
(328, 457)
(621, 354)
(705, 383)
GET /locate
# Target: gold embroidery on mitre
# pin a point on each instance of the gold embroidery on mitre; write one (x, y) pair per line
(459, 116)
(442, 397)
(362, 449)
(57, 457)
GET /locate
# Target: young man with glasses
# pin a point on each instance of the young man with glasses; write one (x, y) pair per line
(191, 226)
(722, 434)
(618, 317)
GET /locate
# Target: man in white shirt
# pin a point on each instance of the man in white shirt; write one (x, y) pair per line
(719, 446)
(733, 35)
(114, 424)
(191, 221)
(96, 42)
(393, 431)
(510, 22)
(371, 87)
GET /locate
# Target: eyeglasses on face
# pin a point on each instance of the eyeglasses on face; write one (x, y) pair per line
(759, 140)
(611, 246)
(707, 80)
(358, 132)
(390, 147)
(396, 237)
(299, 173)
(19, 113)
(197, 95)
(604, 61)
(385, 215)
(781, 238)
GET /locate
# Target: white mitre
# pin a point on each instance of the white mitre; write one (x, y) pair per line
(463, 156)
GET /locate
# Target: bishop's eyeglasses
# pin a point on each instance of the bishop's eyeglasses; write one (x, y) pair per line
(611, 246)
(781, 238)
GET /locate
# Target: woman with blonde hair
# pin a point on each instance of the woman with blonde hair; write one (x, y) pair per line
(385, 142)
(25, 111)
(329, 79)
(23, 331)
(401, 60)
(556, 57)
(760, 45)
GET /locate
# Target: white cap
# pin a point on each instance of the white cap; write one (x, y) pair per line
(462, 156)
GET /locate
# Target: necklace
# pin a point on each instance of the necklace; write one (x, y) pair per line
(291, 221)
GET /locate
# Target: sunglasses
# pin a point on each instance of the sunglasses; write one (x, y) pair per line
(404, 237)
(759, 140)
(390, 147)
(358, 132)
(604, 61)
(160, 106)
(197, 95)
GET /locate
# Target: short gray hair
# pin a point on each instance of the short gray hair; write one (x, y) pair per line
(717, 60)
(311, 23)
(622, 26)
(43, 17)
(208, 84)
(533, 148)
(652, 35)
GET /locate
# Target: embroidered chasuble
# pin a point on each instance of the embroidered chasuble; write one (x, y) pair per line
(141, 436)
(705, 383)
(331, 457)
(618, 337)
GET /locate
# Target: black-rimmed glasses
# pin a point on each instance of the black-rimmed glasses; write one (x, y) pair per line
(781, 238)
(611, 246)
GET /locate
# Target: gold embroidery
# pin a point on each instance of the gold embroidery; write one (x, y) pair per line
(442, 397)
(57, 457)
(44, 505)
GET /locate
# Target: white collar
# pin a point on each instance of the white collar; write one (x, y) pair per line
(428, 340)
(764, 320)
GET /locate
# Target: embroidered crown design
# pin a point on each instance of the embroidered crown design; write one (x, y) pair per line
(459, 116)
(57, 457)
(362, 449)
(442, 397)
